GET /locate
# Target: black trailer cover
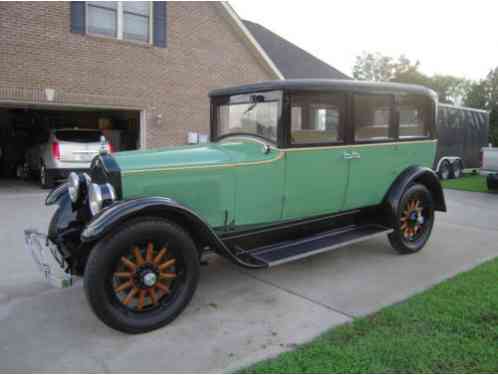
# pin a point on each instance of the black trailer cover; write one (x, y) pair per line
(462, 132)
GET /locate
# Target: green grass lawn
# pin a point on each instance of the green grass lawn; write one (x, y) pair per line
(451, 328)
(469, 182)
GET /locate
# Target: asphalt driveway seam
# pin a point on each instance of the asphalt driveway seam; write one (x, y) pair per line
(308, 299)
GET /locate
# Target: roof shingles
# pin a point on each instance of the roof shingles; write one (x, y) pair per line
(292, 61)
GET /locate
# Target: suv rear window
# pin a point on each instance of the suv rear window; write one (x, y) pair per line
(81, 136)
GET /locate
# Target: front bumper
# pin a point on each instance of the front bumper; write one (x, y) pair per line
(48, 259)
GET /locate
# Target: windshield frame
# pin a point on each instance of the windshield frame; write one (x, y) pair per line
(269, 96)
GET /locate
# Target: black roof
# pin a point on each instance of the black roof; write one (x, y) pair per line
(327, 85)
(292, 61)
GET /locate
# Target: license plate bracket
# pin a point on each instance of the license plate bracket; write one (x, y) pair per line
(47, 259)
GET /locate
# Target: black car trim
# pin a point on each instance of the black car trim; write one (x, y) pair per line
(414, 174)
(117, 213)
(111, 170)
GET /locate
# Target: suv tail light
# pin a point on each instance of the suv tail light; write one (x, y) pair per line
(56, 152)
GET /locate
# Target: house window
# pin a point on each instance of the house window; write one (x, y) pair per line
(136, 21)
(127, 20)
(102, 18)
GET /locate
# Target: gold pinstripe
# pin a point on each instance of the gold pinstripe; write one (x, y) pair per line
(281, 154)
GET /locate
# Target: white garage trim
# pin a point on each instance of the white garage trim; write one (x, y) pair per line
(143, 129)
(251, 41)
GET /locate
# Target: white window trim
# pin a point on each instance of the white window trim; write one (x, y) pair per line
(120, 22)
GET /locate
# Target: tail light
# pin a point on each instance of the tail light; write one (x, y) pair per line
(110, 149)
(56, 152)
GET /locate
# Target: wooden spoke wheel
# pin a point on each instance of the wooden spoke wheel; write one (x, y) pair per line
(413, 221)
(144, 277)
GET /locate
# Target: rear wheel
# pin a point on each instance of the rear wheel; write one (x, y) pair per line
(143, 276)
(444, 170)
(414, 220)
(45, 179)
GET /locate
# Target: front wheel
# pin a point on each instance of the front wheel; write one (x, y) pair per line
(414, 220)
(141, 277)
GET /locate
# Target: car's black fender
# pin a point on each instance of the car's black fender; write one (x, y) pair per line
(122, 211)
(411, 175)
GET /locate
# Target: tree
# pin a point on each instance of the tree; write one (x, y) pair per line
(484, 95)
(373, 67)
(452, 90)
(377, 67)
(476, 96)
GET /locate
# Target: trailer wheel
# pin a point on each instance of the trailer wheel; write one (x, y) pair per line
(457, 169)
(492, 182)
(444, 170)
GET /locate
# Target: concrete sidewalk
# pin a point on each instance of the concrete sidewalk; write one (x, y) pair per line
(237, 316)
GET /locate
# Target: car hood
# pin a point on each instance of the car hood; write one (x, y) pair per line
(183, 156)
(228, 152)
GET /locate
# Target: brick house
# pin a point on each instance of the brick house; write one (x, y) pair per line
(140, 72)
(143, 69)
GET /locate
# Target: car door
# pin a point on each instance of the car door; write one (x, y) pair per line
(374, 152)
(316, 171)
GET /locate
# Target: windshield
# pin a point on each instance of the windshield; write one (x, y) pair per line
(256, 114)
(81, 136)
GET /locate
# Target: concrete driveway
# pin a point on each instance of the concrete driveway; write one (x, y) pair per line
(236, 316)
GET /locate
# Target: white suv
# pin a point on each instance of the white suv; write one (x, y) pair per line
(64, 151)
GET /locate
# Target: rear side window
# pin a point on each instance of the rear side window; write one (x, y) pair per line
(414, 117)
(373, 118)
(81, 136)
(317, 119)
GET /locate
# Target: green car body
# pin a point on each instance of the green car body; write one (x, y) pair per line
(294, 168)
(232, 183)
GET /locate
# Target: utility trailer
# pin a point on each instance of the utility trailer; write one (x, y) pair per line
(462, 132)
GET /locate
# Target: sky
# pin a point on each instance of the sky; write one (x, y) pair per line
(459, 38)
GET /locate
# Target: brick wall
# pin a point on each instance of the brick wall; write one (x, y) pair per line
(37, 51)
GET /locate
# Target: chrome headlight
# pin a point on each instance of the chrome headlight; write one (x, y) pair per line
(99, 196)
(73, 186)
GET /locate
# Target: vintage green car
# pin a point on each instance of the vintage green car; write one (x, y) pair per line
(295, 168)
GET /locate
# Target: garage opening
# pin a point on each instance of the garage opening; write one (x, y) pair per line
(43, 145)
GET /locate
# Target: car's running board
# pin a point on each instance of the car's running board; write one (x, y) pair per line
(293, 250)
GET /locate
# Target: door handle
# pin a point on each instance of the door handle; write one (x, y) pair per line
(348, 156)
(351, 155)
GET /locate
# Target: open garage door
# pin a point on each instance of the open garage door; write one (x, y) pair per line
(36, 140)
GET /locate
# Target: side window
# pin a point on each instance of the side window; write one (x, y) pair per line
(373, 118)
(414, 117)
(317, 119)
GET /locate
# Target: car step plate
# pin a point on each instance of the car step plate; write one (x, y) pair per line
(293, 250)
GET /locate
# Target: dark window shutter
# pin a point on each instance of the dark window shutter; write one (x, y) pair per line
(78, 17)
(160, 24)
